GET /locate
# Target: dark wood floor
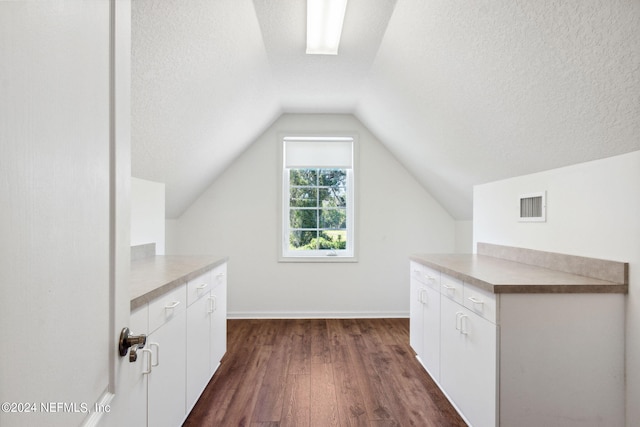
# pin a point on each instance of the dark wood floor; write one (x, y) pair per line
(321, 373)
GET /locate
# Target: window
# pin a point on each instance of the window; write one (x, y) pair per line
(317, 198)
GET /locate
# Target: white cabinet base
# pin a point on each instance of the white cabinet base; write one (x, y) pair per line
(528, 359)
(186, 338)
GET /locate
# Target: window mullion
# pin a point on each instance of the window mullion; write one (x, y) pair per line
(318, 212)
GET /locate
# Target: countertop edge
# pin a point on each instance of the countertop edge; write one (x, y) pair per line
(175, 282)
(595, 286)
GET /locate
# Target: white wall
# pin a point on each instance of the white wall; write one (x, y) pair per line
(593, 209)
(464, 237)
(147, 213)
(238, 217)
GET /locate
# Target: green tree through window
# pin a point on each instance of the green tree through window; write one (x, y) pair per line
(317, 209)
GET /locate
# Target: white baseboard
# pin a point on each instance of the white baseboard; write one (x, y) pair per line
(316, 314)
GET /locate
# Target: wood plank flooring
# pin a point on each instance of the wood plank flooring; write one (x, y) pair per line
(321, 373)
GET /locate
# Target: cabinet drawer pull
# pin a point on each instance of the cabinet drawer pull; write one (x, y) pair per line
(423, 296)
(449, 287)
(201, 287)
(463, 322)
(213, 303)
(172, 305)
(149, 353)
(148, 358)
(157, 346)
(219, 276)
(476, 300)
(459, 315)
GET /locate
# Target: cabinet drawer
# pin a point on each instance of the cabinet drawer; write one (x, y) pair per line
(219, 275)
(166, 307)
(481, 302)
(451, 288)
(199, 287)
(416, 271)
(426, 275)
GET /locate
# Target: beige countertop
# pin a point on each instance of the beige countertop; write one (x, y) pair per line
(154, 276)
(499, 275)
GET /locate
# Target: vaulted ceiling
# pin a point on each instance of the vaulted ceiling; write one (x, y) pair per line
(461, 92)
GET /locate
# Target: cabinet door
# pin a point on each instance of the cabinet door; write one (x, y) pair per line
(416, 320)
(468, 366)
(218, 308)
(431, 332)
(198, 343)
(166, 382)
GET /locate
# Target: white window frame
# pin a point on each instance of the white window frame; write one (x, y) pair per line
(345, 255)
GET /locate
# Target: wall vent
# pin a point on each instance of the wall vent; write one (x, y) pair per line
(533, 207)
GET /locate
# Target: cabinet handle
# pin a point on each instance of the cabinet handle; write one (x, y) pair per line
(449, 288)
(219, 276)
(464, 323)
(213, 304)
(172, 305)
(157, 346)
(421, 296)
(476, 300)
(459, 315)
(202, 287)
(148, 358)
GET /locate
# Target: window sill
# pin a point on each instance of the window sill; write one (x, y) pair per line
(316, 259)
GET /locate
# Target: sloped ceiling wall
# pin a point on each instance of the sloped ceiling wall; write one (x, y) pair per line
(202, 91)
(460, 92)
(470, 92)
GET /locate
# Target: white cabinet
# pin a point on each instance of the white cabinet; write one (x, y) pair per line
(468, 367)
(206, 329)
(431, 331)
(416, 316)
(166, 363)
(218, 308)
(186, 339)
(519, 359)
(425, 317)
(455, 344)
(198, 337)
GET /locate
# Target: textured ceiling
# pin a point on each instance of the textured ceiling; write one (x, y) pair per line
(460, 92)
(202, 90)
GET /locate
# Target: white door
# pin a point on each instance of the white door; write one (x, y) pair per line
(64, 173)
(431, 332)
(416, 317)
(218, 337)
